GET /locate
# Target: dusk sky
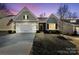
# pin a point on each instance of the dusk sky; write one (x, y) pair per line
(39, 8)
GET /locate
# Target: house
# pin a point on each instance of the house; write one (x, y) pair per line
(4, 23)
(26, 22)
(71, 26)
(5, 16)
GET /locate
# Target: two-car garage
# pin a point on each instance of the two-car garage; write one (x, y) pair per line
(26, 27)
(25, 21)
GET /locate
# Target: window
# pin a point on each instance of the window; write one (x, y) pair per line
(25, 17)
(52, 26)
(72, 21)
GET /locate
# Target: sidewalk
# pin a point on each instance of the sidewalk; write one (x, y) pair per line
(70, 37)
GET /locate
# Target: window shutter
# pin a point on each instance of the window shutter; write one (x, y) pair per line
(47, 26)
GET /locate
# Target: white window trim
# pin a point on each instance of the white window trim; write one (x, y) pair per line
(25, 16)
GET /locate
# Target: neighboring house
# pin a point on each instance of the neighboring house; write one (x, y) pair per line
(71, 26)
(4, 13)
(5, 17)
(4, 23)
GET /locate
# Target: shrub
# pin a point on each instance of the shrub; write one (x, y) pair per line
(54, 31)
(10, 31)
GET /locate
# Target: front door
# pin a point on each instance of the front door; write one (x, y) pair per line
(42, 26)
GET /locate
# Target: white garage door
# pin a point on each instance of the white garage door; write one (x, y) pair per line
(77, 29)
(25, 27)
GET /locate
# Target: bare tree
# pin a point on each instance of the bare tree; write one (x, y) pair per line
(62, 12)
(74, 15)
(71, 15)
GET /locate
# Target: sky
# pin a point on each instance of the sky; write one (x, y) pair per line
(39, 8)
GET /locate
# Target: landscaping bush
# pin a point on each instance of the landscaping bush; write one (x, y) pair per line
(54, 32)
(10, 31)
(38, 31)
(46, 31)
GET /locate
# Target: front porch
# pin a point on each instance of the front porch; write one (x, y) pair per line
(48, 28)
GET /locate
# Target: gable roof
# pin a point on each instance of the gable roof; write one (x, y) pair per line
(68, 21)
(4, 13)
(25, 9)
(52, 16)
(52, 19)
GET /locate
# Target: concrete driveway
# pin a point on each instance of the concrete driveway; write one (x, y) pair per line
(16, 44)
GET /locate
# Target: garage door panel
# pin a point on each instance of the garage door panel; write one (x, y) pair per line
(25, 28)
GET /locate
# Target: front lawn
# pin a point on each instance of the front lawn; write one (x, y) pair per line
(52, 44)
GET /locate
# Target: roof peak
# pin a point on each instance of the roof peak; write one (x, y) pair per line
(52, 16)
(25, 7)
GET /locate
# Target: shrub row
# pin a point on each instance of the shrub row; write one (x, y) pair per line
(50, 31)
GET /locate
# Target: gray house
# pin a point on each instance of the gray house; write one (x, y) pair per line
(26, 22)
